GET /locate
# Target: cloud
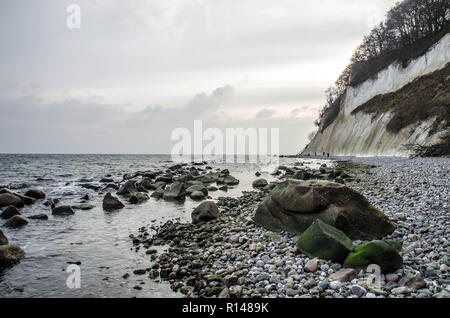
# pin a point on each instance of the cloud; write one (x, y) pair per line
(264, 114)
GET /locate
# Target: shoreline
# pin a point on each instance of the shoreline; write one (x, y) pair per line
(232, 257)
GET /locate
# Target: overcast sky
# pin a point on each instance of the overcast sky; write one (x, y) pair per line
(138, 69)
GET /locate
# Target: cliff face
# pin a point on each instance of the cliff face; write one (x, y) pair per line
(399, 107)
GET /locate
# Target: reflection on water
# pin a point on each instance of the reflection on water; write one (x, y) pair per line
(98, 240)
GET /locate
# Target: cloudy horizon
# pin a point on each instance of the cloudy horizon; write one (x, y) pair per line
(136, 70)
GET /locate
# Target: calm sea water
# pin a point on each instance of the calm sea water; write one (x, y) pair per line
(99, 240)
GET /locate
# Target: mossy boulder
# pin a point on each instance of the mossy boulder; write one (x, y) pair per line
(325, 241)
(376, 252)
(294, 205)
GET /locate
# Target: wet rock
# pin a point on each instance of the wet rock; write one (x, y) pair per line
(197, 195)
(35, 194)
(127, 188)
(9, 212)
(10, 255)
(39, 217)
(7, 199)
(138, 198)
(375, 252)
(83, 207)
(16, 222)
(3, 239)
(325, 241)
(175, 192)
(110, 203)
(147, 183)
(260, 183)
(63, 210)
(158, 193)
(207, 211)
(157, 185)
(197, 188)
(293, 206)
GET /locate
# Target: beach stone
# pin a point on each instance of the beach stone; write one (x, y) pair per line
(293, 205)
(228, 180)
(400, 290)
(175, 191)
(206, 211)
(312, 265)
(375, 252)
(35, 194)
(138, 198)
(392, 278)
(3, 239)
(10, 255)
(197, 188)
(16, 222)
(39, 217)
(336, 284)
(127, 188)
(9, 199)
(412, 282)
(63, 210)
(9, 212)
(158, 193)
(157, 185)
(110, 202)
(146, 183)
(344, 275)
(358, 290)
(325, 241)
(197, 195)
(260, 183)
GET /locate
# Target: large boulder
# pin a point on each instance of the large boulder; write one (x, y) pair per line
(110, 203)
(376, 252)
(207, 211)
(16, 222)
(7, 199)
(3, 238)
(10, 255)
(293, 206)
(35, 194)
(128, 187)
(63, 210)
(9, 212)
(326, 242)
(175, 192)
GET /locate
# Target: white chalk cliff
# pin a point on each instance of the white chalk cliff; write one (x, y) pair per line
(363, 134)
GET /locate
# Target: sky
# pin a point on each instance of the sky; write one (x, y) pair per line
(136, 70)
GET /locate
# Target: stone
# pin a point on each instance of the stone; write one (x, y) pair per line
(197, 195)
(312, 265)
(9, 212)
(294, 205)
(39, 217)
(358, 290)
(392, 278)
(225, 293)
(175, 192)
(260, 183)
(9, 199)
(10, 255)
(35, 194)
(110, 203)
(147, 183)
(3, 238)
(127, 188)
(412, 282)
(375, 252)
(400, 291)
(197, 188)
(158, 193)
(138, 198)
(206, 211)
(63, 210)
(16, 222)
(335, 285)
(325, 241)
(344, 275)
